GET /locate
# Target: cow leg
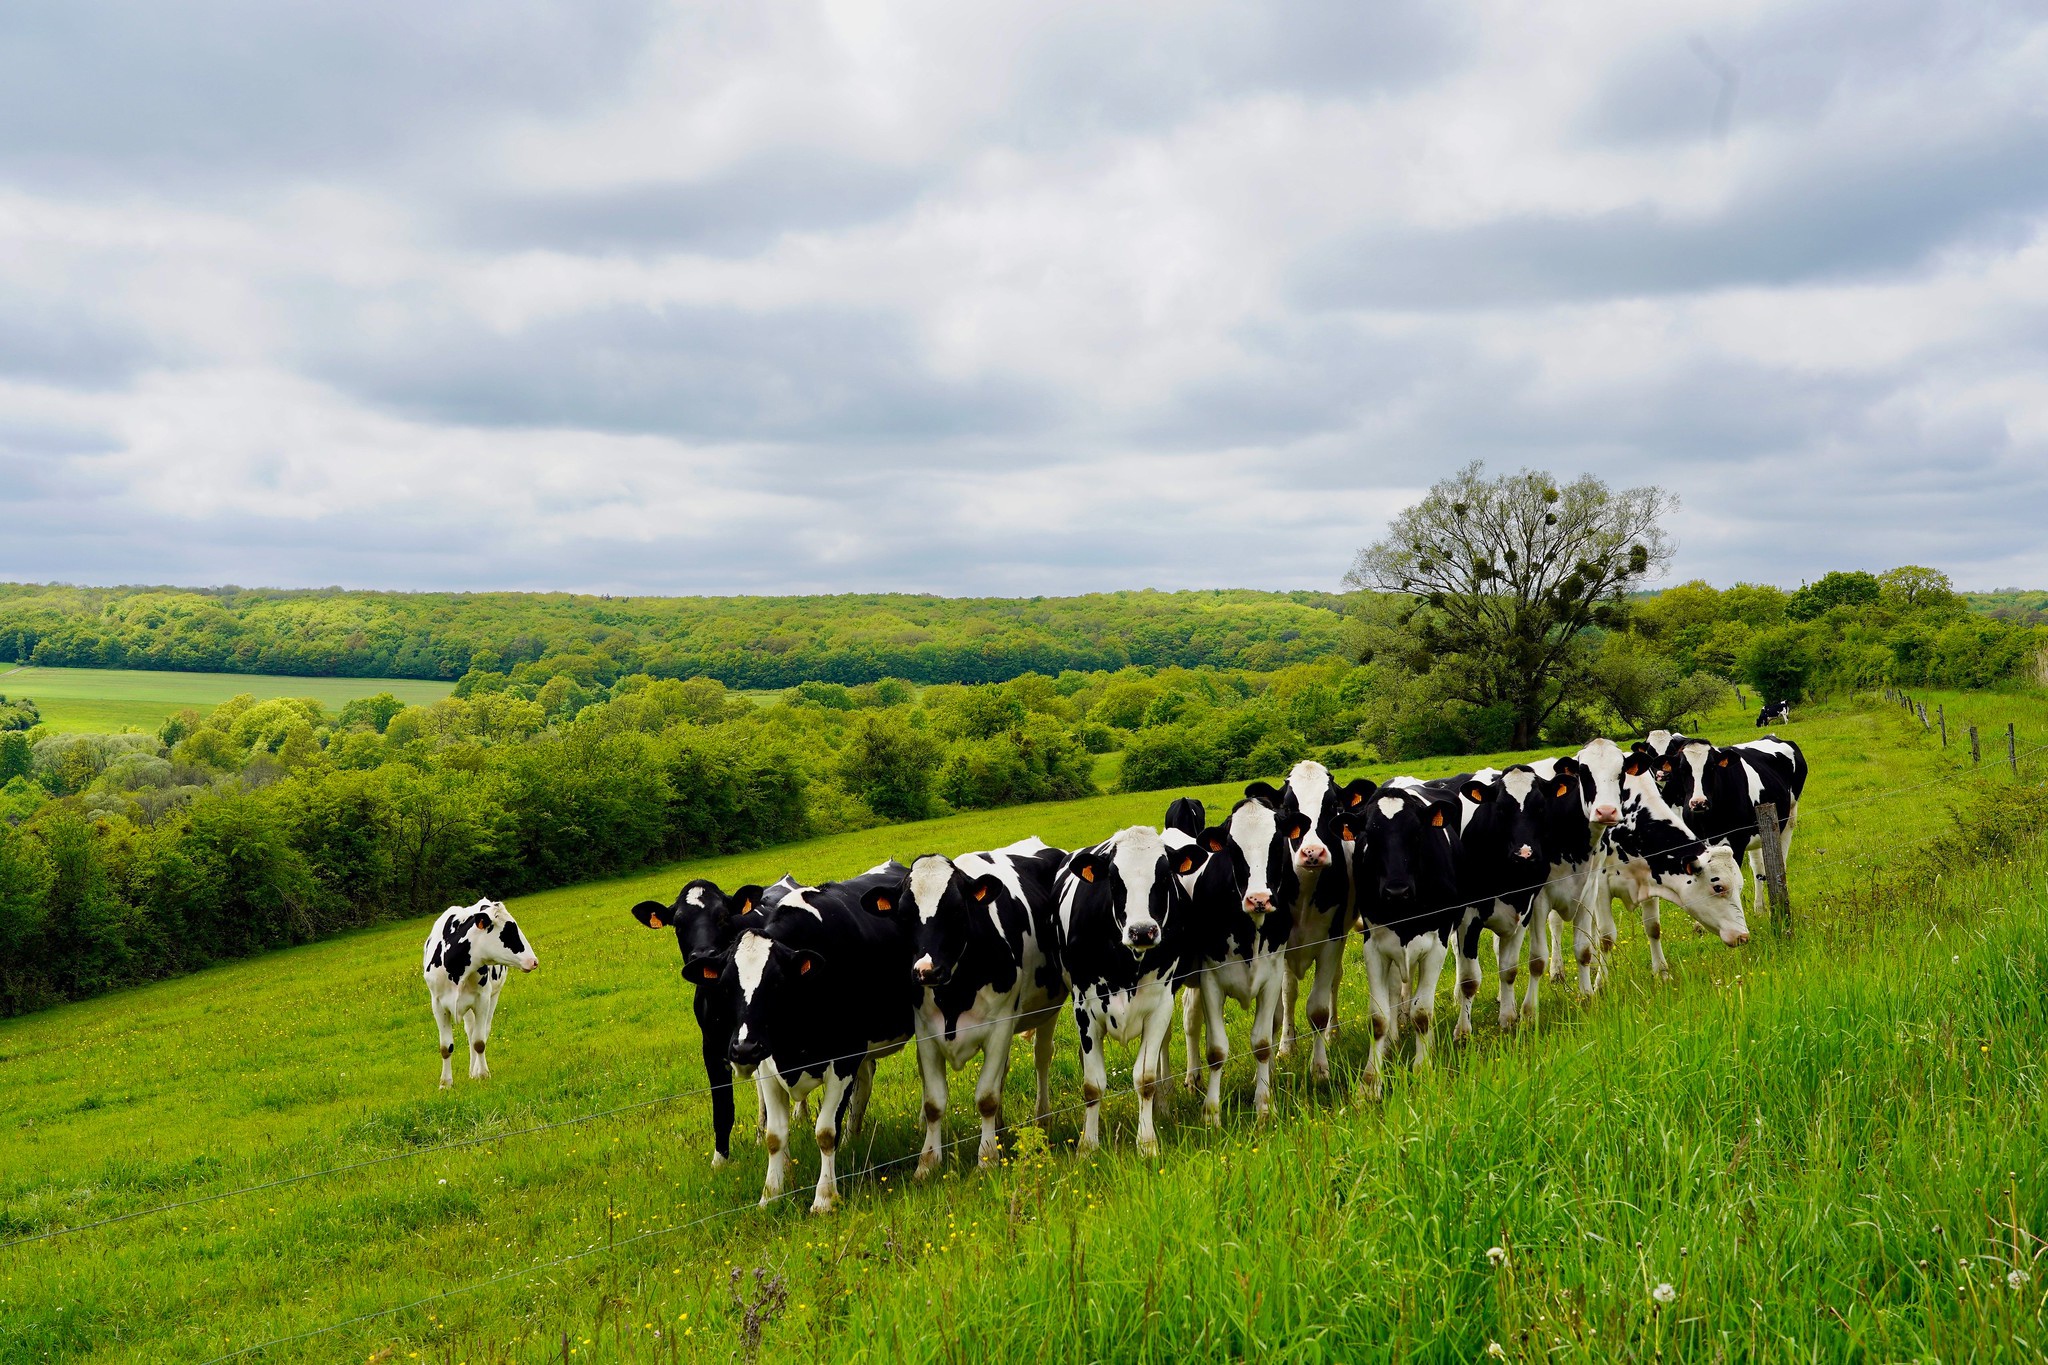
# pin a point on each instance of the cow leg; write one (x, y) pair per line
(1422, 1005)
(1508, 955)
(1041, 1056)
(1211, 1003)
(719, 1069)
(1151, 1052)
(1192, 1022)
(988, 1094)
(1653, 928)
(444, 1023)
(1290, 993)
(774, 1133)
(1469, 979)
(863, 1091)
(1094, 1076)
(1265, 1017)
(1382, 996)
(931, 1069)
(1322, 1003)
(1755, 859)
(1542, 934)
(833, 1098)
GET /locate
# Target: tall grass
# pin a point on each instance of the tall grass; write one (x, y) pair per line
(1830, 1148)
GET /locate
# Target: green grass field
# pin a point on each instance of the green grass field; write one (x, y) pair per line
(110, 700)
(1830, 1148)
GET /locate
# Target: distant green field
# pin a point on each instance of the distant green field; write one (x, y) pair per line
(108, 700)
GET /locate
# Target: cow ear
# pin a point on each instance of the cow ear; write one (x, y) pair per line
(1436, 817)
(1214, 838)
(480, 920)
(807, 959)
(1187, 858)
(1357, 790)
(1299, 826)
(881, 900)
(1086, 866)
(1567, 767)
(1477, 792)
(1262, 791)
(653, 914)
(1724, 762)
(983, 887)
(1633, 764)
(744, 901)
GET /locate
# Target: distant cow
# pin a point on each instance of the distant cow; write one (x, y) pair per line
(985, 955)
(1774, 713)
(1406, 869)
(1123, 912)
(824, 991)
(1322, 907)
(1241, 912)
(467, 955)
(707, 923)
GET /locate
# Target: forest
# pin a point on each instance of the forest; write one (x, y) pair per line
(261, 823)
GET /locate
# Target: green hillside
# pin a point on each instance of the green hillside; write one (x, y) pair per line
(1809, 1141)
(109, 700)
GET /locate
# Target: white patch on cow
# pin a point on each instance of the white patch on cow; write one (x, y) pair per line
(1390, 806)
(1695, 756)
(1518, 786)
(929, 878)
(1603, 759)
(694, 896)
(1252, 828)
(1002, 865)
(1401, 783)
(796, 898)
(751, 958)
(1137, 853)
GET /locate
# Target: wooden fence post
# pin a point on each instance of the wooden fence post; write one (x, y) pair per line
(1923, 716)
(1774, 868)
(1942, 711)
(1976, 754)
(2012, 752)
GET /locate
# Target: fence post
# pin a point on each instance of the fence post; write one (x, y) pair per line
(1976, 754)
(1774, 868)
(1923, 716)
(1738, 697)
(2012, 751)
(1942, 711)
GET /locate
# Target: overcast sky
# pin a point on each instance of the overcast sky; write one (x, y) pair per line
(1009, 298)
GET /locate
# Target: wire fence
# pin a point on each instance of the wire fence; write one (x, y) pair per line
(863, 1173)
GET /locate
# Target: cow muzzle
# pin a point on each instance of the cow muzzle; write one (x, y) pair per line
(1606, 815)
(1314, 855)
(1258, 902)
(1735, 938)
(926, 970)
(1525, 853)
(1698, 803)
(749, 1054)
(1139, 937)
(528, 962)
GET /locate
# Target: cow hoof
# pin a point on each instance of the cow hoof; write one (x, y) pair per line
(1087, 1147)
(1374, 1090)
(1148, 1147)
(1463, 1031)
(720, 1159)
(1422, 1063)
(822, 1204)
(1508, 1022)
(991, 1154)
(1212, 1114)
(1286, 1047)
(1321, 1069)
(927, 1165)
(448, 1083)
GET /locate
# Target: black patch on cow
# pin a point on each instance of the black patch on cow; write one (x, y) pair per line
(510, 936)
(456, 962)
(435, 960)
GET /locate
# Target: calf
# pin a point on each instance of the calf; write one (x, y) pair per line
(1774, 713)
(468, 953)
(1653, 855)
(707, 923)
(1322, 909)
(1241, 912)
(984, 953)
(824, 991)
(1406, 869)
(1123, 910)
(1719, 789)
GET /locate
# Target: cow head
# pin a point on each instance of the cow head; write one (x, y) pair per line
(1685, 777)
(1257, 842)
(1313, 792)
(773, 977)
(1704, 880)
(939, 899)
(706, 921)
(1517, 819)
(1405, 862)
(1134, 878)
(492, 935)
(1600, 771)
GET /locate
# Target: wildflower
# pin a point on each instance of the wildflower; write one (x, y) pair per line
(444, 1180)
(1664, 1293)
(2017, 1280)
(1498, 1256)
(1494, 1349)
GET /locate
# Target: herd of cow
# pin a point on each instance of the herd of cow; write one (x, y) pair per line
(805, 988)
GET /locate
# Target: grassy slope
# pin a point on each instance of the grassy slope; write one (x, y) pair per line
(107, 700)
(1795, 1118)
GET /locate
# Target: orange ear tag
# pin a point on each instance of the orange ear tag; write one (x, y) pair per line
(711, 973)
(981, 893)
(654, 922)
(1437, 820)
(1087, 873)
(804, 968)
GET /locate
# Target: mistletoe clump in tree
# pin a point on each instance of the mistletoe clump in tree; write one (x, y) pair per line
(1505, 576)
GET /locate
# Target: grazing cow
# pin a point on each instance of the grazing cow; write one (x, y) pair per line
(466, 959)
(1653, 855)
(1503, 866)
(1406, 870)
(984, 953)
(707, 923)
(1774, 713)
(825, 990)
(1241, 913)
(1322, 909)
(1719, 789)
(1123, 912)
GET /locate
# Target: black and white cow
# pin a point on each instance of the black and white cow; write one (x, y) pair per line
(1188, 815)
(1405, 864)
(825, 990)
(469, 952)
(707, 922)
(1241, 912)
(1660, 741)
(1719, 788)
(1578, 869)
(1653, 856)
(1123, 917)
(1322, 909)
(984, 950)
(1774, 713)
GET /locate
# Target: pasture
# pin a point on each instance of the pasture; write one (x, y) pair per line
(1828, 1148)
(110, 700)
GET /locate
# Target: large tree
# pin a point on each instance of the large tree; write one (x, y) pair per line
(1505, 575)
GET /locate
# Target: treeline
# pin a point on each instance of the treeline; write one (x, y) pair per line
(743, 642)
